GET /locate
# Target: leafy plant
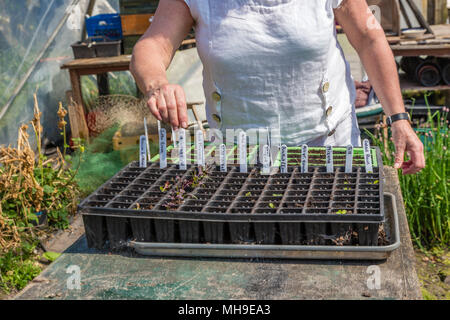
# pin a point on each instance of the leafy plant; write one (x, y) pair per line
(31, 183)
(18, 267)
(51, 256)
(183, 187)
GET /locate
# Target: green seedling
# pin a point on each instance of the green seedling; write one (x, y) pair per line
(342, 212)
(271, 205)
(277, 195)
(165, 187)
(248, 194)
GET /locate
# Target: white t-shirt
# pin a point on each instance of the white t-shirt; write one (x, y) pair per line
(273, 63)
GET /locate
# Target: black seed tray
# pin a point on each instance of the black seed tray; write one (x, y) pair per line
(314, 208)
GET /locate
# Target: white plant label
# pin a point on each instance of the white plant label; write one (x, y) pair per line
(162, 148)
(142, 152)
(146, 138)
(174, 138)
(284, 161)
(223, 158)
(182, 148)
(243, 151)
(349, 159)
(329, 158)
(304, 159)
(200, 148)
(266, 159)
(367, 156)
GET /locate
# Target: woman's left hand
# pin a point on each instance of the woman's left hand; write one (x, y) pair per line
(406, 140)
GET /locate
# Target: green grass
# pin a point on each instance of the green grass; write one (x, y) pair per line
(425, 194)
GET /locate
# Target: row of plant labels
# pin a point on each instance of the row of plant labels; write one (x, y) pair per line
(242, 145)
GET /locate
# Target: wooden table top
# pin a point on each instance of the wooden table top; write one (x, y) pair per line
(99, 62)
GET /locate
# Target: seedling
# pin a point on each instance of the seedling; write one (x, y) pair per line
(165, 187)
(271, 205)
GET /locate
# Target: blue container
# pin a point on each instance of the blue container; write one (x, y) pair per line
(106, 26)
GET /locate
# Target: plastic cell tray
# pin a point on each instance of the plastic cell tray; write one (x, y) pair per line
(294, 208)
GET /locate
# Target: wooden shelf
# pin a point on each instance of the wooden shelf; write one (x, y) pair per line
(406, 84)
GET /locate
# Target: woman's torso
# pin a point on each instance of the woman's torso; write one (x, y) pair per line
(273, 63)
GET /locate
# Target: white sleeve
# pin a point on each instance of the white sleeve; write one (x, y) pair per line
(335, 3)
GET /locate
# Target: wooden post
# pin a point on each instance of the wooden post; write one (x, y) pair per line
(77, 119)
(425, 9)
(103, 84)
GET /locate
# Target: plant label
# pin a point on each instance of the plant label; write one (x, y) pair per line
(242, 151)
(142, 152)
(367, 156)
(304, 159)
(174, 138)
(284, 161)
(329, 158)
(182, 148)
(162, 148)
(349, 159)
(146, 139)
(266, 159)
(223, 158)
(200, 146)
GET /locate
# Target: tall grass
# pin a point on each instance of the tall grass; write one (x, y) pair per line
(426, 193)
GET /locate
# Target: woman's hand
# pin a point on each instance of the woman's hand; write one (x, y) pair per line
(405, 139)
(152, 55)
(168, 103)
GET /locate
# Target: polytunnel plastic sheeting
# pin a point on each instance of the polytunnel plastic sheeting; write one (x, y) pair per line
(35, 39)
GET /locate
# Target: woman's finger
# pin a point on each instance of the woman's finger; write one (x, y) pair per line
(162, 107)
(153, 108)
(171, 103)
(399, 154)
(417, 161)
(181, 107)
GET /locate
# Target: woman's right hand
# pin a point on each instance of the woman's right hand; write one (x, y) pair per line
(167, 103)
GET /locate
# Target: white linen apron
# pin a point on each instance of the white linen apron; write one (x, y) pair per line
(276, 63)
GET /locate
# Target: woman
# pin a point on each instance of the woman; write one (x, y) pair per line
(275, 63)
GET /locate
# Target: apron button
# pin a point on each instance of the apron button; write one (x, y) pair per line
(329, 110)
(332, 132)
(326, 87)
(216, 96)
(216, 117)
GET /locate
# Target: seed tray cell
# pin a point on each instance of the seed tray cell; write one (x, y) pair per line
(118, 205)
(215, 209)
(102, 197)
(243, 204)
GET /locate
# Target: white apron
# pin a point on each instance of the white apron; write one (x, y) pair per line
(277, 64)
